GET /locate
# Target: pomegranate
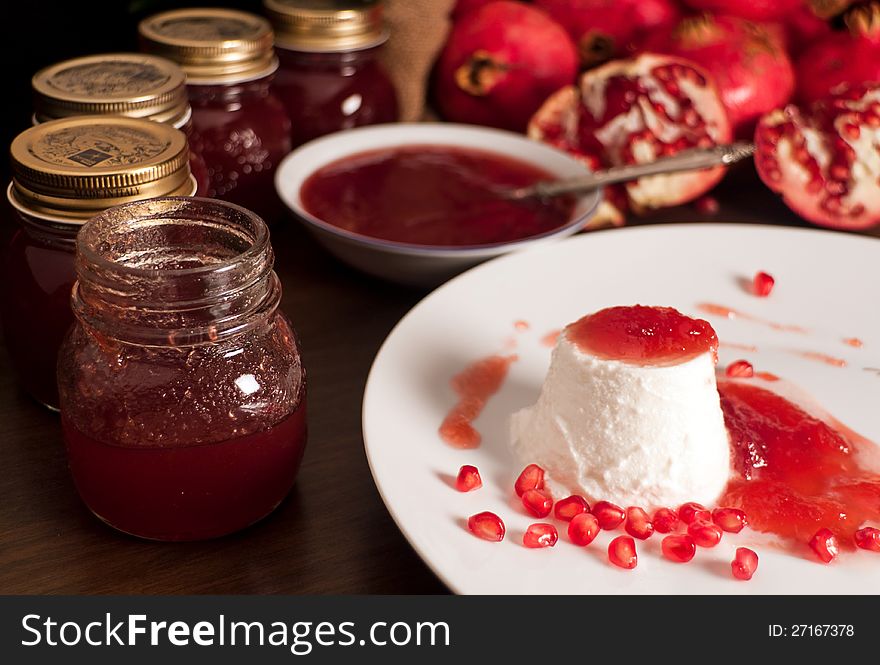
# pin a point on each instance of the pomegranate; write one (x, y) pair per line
(755, 10)
(732, 520)
(605, 29)
(740, 369)
(825, 160)
(634, 111)
(531, 478)
(567, 508)
(679, 548)
(763, 284)
(487, 526)
(537, 503)
(851, 56)
(540, 535)
(744, 564)
(500, 63)
(691, 511)
(622, 552)
(868, 538)
(747, 61)
(828, 8)
(665, 520)
(468, 479)
(824, 544)
(800, 28)
(705, 534)
(583, 529)
(463, 7)
(638, 524)
(552, 124)
(610, 515)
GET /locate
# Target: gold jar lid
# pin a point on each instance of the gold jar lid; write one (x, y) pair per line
(327, 25)
(130, 84)
(70, 169)
(213, 46)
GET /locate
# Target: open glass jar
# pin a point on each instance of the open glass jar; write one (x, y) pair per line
(182, 390)
(240, 127)
(135, 85)
(330, 77)
(63, 172)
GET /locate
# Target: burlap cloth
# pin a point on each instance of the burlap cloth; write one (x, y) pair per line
(418, 32)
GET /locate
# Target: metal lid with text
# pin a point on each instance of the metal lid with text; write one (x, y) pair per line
(73, 168)
(213, 46)
(327, 25)
(130, 84)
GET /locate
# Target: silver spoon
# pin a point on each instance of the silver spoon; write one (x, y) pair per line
(687, 160)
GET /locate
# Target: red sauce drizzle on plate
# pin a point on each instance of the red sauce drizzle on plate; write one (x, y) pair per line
(474, 386)
(432, 195)
(551, 338)
(643, 335)
(854, 342)
(822, 358)
(795, 473)
(728, 313)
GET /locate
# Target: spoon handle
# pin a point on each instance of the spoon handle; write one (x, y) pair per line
(686, 160)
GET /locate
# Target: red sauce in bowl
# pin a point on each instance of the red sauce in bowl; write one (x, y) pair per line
(432, 195)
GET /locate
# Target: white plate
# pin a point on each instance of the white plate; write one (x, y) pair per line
(824, 281)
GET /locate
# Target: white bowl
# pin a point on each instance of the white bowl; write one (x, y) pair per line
(412, 264)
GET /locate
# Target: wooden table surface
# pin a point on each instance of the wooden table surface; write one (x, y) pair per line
(333, 534)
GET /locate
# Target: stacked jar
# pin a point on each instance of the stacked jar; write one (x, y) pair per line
(182, 391)
(240, 128)
(134, 85)
(64, 172)
(330, 77)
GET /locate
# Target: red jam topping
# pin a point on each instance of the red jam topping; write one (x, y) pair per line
(794, 473)
(432, 195)
(643, 335)
(474, 386)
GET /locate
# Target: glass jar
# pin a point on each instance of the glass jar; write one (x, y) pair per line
(131, 84)
(330, 77)
(182, 390)
(239, 125)
(65, 171)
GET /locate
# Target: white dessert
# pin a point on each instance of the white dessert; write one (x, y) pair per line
(644, 435)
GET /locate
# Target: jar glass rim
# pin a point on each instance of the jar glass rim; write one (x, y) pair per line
(87, 239)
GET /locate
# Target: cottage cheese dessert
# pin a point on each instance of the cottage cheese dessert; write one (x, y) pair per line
(629, 411)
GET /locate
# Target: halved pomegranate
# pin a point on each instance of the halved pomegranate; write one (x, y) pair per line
(825, 160)
(637, 110)
(501, 61)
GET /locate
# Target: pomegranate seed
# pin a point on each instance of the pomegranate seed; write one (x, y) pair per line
(622, 552)
(637, 523)
(691, 511)
(744, 564)
(763, 284)
(731, 520)
(468, 479)
(531, 478)
(679, 548)
(868, 538)
(705, 534)
(487, 526)
(540, 535)
(707, 205)
(824, 544)
(537, 503)
(740, 369)
(583, 529)
(610, 516)
(665, 520)
(573, 505)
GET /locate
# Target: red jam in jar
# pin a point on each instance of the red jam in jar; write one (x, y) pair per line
(432, 195)
(239, 126)
(65, 171)
(643, 335)
(330, 77)
(134, 85)
(182, 389)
